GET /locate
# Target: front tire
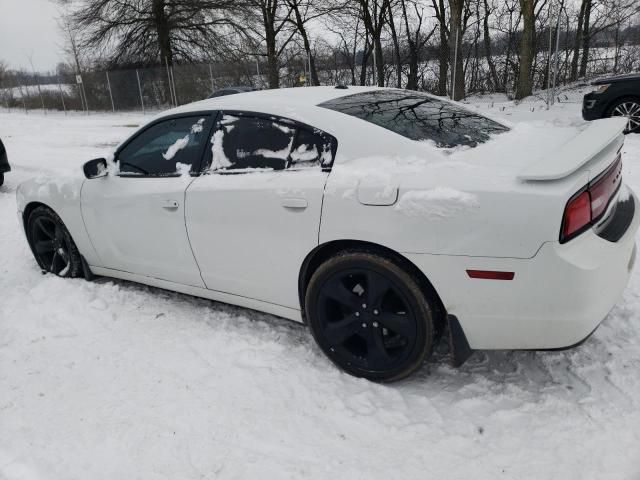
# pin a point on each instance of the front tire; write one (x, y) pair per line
(1, 179)
(52, 245)
(628, 107)
(370, 316)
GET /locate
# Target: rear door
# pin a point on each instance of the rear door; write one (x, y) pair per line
(254, 215)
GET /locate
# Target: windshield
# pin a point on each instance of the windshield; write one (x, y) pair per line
(418, 116)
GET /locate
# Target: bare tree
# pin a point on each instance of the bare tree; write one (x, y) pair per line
(527, 49)
(150, 31)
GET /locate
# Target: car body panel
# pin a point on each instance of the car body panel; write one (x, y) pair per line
(243, 238)
(597, 104)
(136, 225)
(62, 195)
(251, 231)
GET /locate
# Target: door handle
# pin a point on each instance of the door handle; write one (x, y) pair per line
(294, 203)
(170, 204)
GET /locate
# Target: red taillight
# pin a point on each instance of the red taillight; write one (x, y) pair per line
(586, 207)
(577, 214)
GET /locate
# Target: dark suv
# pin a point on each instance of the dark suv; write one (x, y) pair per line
(4, 163)
(615, 96)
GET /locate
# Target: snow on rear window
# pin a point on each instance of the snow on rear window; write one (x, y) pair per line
(418, 116)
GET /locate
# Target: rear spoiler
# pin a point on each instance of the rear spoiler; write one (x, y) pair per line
(577, 151)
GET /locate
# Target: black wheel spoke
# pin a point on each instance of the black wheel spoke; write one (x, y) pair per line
(338, 332)
(46, 228)
(337, 291)
(397, 323)
(377, 355)
(377, 287)
(45, 246)
(53, 262)
(58, 233)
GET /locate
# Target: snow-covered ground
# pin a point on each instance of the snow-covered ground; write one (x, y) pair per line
(112, 380)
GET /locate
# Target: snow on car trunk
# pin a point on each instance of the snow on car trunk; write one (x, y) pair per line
(109, 379)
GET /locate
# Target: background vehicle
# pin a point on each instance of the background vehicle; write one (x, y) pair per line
(231, 91)
(376, 216)
(4, 162)
(615, 96)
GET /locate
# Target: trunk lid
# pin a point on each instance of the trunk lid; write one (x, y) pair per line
(596, 145)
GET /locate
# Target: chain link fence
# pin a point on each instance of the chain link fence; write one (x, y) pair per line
(159, 88)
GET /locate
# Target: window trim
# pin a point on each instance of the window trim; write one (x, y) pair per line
(273, 118)
(195, 166)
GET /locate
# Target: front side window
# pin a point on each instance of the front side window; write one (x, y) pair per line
(165, 148)
(418, 116)
(242, 143)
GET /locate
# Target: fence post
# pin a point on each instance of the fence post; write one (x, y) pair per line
(211, 77)
(113, 107)
(455, 63)
(173, 82)
(556, 56)
(549, 93)
(140, 90)
(62, 97)
(258, 71)
(166, 62)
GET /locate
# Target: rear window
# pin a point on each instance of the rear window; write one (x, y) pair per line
(418, 116)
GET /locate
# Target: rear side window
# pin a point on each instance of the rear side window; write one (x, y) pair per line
(243, 143)
(418, 116)
(159, 149)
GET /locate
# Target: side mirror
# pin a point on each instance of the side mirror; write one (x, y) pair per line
(95, 168)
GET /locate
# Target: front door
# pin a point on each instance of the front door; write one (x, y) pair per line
(135, 216)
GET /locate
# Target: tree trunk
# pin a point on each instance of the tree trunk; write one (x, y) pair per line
(487, 50)
(443, 50)
(455, 48)
(586, 39)
(412, 77)
(396, 47)
(273, 72)
(363, 64)
(524, 85)
(313, 73)
(577, 42)
(161, 23)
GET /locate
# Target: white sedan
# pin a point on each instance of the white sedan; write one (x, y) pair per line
(379, 217)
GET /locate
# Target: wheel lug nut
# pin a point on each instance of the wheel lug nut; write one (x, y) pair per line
(375, 312)
(357, 314)
(375, 324)
(364, 325)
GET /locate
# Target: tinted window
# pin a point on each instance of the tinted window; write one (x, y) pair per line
(158, 149)
(243, 142)
(418, 116)
(311, 148)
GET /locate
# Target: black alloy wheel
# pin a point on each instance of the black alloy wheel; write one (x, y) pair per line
(52, 244)
(369, 316)
(629, 108)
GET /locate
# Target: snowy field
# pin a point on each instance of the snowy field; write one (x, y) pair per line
(112, 380)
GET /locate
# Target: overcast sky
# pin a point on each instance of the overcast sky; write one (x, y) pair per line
(30, 27)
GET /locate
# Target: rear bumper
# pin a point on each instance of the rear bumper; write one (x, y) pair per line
(556, 299)
(594, 106)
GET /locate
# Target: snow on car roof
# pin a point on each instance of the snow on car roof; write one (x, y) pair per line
(274, 100)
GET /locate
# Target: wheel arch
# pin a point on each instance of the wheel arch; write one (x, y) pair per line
(614, 101)
(322, 252)
(30, 207)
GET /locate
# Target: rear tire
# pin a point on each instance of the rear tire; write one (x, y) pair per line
(52, 245)
(1, 179)
(370, 316)
(627, 107)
